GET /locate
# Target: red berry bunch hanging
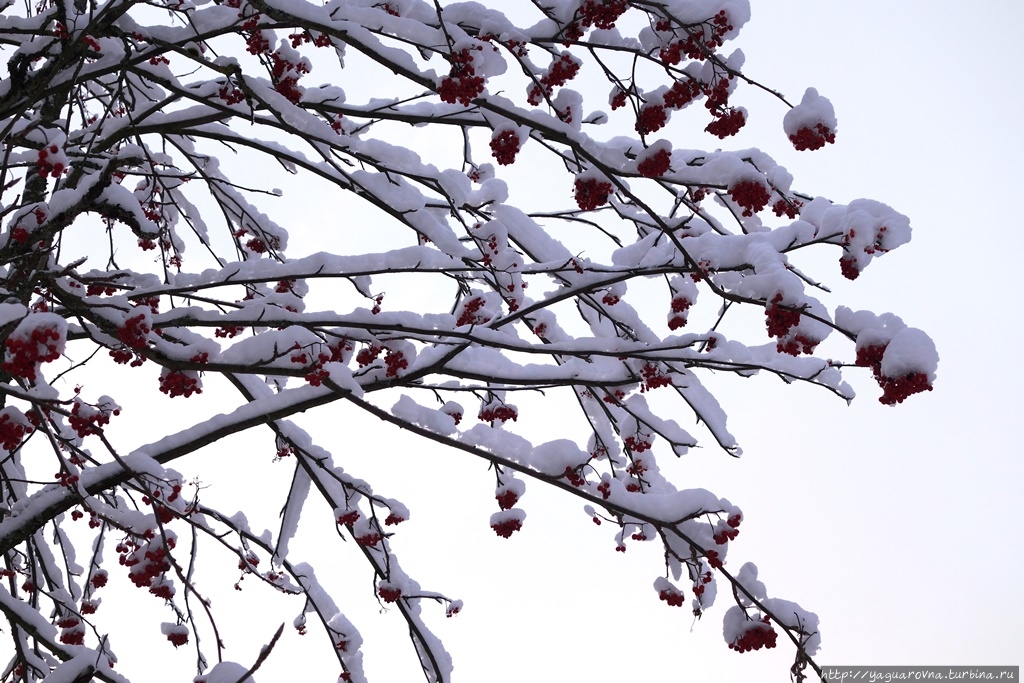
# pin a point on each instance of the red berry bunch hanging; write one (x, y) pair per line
(652, 378)
(650, 119)
(395, 362)
(673, 597)
(461, 85)
(762, 635)
(507, 499)
(788, 207)
(811, 139)
(505, 146)
(26, 351)
(592, 193)
(751, 195)
(894, 389)
(51, 162)
(13, 428)
(562, 70)
(389, 592)
(179, 383)
(133, 331)
(502, 412)
(727, 122)
(655, 165)
(678, 316)
(602, 14)
(780, 320)
(507, 527)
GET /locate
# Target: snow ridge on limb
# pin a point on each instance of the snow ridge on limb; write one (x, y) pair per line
(600, 291)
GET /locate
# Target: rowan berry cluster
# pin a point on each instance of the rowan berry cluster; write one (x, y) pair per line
(810, 139)
(505, 146)
(849, 268)
(727, 122)
(24, 354)
(86, 419)
(47, 167)
(789, 207)
(730, 532)
(637, 443)
(507, 527)
(503, 412)
(575, 478)
(592, 193)
(134, 331)
(655, 165)
(779, 320)
(755, 638)
(12, 429)
(650, 119)
(602, 14)
(389, 593)
(701, 40)
(146, 558)
(894, 389)
(507, 499)
(652, 378)
(561, 71)
(461, 85)
(680, 308)
(179, 383)
(751, 195)
(796, 345)
(395, 362)
(73, 630)
(673, 597)
(287, 74)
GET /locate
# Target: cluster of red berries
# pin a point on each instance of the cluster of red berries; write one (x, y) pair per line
(179, 383)
(756, 638)
(503, 413)
(507, 527)
(652, 378)
(680, 306)
(789, 207)
(602, 14)
(637, 443)
(505, 146)
(145, 559)
(389, 593)
(462, 85)
(894, 389)
(348, 518)
(849, 268)
(592, 193)
(713, 559)
(700, 42)
(178, 636)
(228, 331)
(730, 532)
(12, 429)
(575, 478)
(322, 40)
(134, 331)
(794, 346)
(650, 119)
(617, 99)
(779, 320)
(393, 519)
(655, 165)
(86, 419)
(368, 539)
(73, 630)
(507, 499)
(561, 71)
(811, 139)
(122, 355)
(751, 195)
(287, 74)
(368, 354)
(24, 355)
(395, 362)
(673, 597)
(727, 122)
(45, 167)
